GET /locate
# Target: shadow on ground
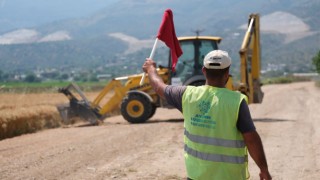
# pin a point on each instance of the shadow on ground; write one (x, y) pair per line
(270, 120)
(166, 121)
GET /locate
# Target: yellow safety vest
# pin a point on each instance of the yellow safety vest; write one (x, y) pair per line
(214, 148)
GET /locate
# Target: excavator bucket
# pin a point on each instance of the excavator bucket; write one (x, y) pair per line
(77, 107)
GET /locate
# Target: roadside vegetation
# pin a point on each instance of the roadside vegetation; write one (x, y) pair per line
(316, 63)
(16, 121)
(27, 107)
(47, 87)
(22, 113)
(285, 79)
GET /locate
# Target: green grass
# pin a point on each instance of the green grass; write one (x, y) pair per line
(50, 86)
(33, 85)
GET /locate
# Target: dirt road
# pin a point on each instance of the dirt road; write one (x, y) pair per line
(288, 121)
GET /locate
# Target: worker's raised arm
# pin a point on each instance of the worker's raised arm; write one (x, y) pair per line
(155, 80)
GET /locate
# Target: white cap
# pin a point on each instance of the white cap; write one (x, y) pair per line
(217, 59)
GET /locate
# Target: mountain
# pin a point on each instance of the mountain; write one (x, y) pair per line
(124, 29)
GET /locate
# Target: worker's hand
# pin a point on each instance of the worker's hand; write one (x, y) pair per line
(148, 64)
(265, 175)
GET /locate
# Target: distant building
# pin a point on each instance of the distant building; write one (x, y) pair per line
(104, 76)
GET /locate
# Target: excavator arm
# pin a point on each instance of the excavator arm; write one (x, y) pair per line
(250, 61)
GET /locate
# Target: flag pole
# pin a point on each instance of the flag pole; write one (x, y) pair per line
(150, 57)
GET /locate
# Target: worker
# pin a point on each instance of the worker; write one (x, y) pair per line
(218, 128)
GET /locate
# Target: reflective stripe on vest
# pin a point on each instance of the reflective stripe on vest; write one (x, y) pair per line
(215, 157)
(215, 141)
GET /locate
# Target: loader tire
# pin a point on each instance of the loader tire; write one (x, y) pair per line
(136, 108)
(154, 108)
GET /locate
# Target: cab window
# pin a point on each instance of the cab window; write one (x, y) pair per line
(191, 61)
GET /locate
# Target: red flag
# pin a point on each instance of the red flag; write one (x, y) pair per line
(167, 34)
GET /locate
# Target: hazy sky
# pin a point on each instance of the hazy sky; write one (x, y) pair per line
(36, 12)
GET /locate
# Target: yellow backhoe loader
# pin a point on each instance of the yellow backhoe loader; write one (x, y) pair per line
(138, 103)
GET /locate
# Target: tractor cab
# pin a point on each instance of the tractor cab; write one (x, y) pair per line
(188, 69)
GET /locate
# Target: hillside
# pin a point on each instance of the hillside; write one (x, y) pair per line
(289, 33)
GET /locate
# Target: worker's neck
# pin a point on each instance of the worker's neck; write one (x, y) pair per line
(218, 84)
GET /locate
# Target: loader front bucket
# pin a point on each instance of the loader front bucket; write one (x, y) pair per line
(69, 113)
(77, 108)
(65, 113)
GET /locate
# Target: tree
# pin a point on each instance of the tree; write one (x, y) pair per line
(93, 78)
(64, 76)
(31, 78)
(316, 61)
(1, 76)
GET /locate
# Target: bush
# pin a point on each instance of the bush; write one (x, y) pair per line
(32, 78)
(316, 61)
(317, 82)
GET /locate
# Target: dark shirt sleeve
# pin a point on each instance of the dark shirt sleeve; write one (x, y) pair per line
(245, 123)
(173, 95)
